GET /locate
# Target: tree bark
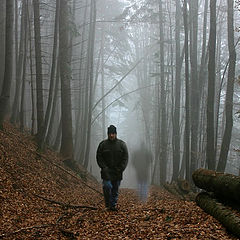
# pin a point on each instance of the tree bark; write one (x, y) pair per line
(53, 72)
(229, 95)
(163, 116)
(2, 41)
(38, 57)
(90, 79)
(226, 186)
(187, 121)
(194, 86)
(220, 212)
(80, 127)
(49, 135)
(176, 116)
(29, 17)
(210, 154)
(19, 67)
(5, 93)
(22, 104)
(65, 74)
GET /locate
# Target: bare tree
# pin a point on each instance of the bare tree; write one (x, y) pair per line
(39, 80)
(29, 18)
(2, 41)
(176, 115)
(80, 124)
(163, 128)
(65, 75)
(19, 67)
(229, 94)
(194, 85)
(210, 154)
(187, 121)
(53, 71)
(22, 102)
(90, 77)
(5, 93)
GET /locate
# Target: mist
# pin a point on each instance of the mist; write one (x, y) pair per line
(165, 73)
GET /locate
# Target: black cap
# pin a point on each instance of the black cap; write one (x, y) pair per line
(112, 129)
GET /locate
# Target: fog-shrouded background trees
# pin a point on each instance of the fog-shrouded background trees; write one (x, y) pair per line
(162, 71)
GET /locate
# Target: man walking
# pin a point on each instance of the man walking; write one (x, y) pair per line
(112, 158)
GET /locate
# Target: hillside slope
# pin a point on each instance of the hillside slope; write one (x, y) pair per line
(42, 199)
(26, 177)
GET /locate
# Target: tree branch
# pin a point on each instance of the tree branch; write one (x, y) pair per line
(64, 204)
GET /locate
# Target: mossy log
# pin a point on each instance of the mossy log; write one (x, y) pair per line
(180, 192)
(225, 186)
(172, 189)
(224, 215)
(184, 185)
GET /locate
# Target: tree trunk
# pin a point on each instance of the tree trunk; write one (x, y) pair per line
(194, 86)
(2, 41)
(84, 119)
(210, 154)
(103, 83)
(187, 122)
(49, 134)
(29, 16)
(176, 116)
(19, 67)
(229, 95)
(163, 127)
(65, 73)
(202, 71)
(219, 86)
(22, 104)
(5, 93)
(80, 125)
(39, 84)
(57, 142)
(53, 71)
(220, 212)
(90, 77)
(226, 186)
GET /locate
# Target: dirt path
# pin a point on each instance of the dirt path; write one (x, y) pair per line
(161, 217)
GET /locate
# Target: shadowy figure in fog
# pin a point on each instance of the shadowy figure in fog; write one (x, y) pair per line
(141, 160)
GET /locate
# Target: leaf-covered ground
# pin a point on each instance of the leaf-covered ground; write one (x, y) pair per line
(42, 199)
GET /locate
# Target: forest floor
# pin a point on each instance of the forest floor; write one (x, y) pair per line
(40, 198)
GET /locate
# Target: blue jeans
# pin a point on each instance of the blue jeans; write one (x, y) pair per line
(110, 192)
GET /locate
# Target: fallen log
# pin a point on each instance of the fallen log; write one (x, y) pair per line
(183, 185)
(172, 189)
(224, 215)
(225, 186)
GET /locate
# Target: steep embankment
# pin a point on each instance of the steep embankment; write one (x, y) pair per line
(41, 199)
(26, 176)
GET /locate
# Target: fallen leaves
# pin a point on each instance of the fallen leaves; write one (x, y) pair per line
(24, 215)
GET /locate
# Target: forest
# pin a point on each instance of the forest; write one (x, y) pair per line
(164, 72)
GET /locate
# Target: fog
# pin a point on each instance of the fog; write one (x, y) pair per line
(157, 70)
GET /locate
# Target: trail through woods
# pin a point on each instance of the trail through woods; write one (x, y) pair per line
(41, 199)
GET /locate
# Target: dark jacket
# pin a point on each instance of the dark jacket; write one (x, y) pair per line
(112, 158)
